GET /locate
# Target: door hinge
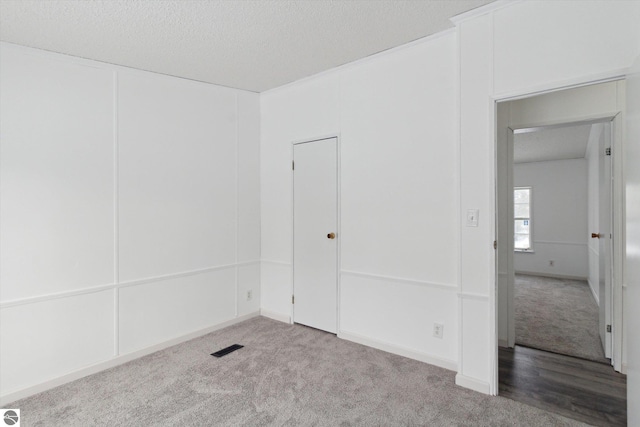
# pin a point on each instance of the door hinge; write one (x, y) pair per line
(293, 165)
(608, 328)
(608, 151)
(495, 244)
(293, 299)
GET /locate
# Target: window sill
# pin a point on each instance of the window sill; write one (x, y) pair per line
(524, 251)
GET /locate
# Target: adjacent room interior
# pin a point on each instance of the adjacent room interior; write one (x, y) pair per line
(555, 261)
(558, 295)
(390, 207)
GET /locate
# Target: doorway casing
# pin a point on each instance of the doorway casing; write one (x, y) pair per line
(617, 118)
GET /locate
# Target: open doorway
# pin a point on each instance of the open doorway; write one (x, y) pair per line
(559, 210)
(560, 178)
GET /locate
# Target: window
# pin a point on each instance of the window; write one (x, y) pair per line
(522, 219)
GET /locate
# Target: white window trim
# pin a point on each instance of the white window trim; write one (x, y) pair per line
(530, 250)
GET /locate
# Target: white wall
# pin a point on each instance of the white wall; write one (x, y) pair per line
(129, 212)
(395, 116)
(60, 202)
(541, 44)
(559, 217)
(494, 60)
(288, 114)
(515, 50)
(596, 137)
(632, 288)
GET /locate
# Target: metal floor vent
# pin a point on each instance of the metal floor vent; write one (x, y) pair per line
(227, 350)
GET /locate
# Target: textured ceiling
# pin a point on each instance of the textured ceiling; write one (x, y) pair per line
(551, 144)
(252, 45)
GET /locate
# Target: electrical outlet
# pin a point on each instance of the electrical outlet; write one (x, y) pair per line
(438, 330)
(551, 263)
(249, 295)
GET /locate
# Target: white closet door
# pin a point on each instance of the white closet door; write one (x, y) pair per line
(315, 248)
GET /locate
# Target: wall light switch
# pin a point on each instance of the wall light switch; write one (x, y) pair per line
(472, 217)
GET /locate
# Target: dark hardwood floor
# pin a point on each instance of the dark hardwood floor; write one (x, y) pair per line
(586, 391)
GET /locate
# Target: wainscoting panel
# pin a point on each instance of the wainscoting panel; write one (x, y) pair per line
(51, 338)
(275, 284)
(569, 259)
(401, 314)
(159, 311)
(248, 281)
(474, 369)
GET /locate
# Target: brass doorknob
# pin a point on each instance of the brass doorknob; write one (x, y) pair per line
(595, 235)
(331, 236)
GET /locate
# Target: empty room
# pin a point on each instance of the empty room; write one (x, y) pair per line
(319, 212)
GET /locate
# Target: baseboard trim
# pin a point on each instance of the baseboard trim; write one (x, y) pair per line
(473, 384)
(115, 361)
(553, 276)
(451, 365)
(280, 317)
(623, 369)
(503, 343)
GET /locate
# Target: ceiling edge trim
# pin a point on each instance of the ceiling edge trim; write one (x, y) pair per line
(482, 10)
(361, 61)
(79, 60)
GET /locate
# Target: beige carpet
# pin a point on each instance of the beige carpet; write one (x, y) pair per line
(557, 315)
(284, 376)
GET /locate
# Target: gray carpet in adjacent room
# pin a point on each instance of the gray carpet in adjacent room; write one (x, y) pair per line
(558, 315)
(285, 375)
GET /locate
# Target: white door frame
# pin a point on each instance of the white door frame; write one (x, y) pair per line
(618, 216)
(510, 234)
(338, 220)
